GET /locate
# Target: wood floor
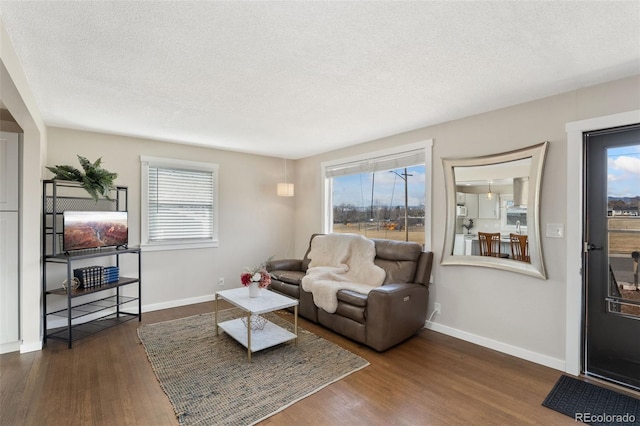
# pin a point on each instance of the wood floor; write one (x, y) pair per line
(431, 379)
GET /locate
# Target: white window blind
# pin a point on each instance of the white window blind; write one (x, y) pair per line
(179, 204)
(370, 165)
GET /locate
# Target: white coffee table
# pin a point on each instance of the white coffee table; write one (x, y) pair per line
(268, 301)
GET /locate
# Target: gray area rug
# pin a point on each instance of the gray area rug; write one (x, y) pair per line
(209, 380)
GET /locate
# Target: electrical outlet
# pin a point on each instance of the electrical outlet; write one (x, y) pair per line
(221, 282)
(437, 308)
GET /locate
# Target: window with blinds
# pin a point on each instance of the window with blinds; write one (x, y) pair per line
(179, 203)
(393, 161)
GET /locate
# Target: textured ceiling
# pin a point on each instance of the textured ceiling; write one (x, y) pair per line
(293, 79)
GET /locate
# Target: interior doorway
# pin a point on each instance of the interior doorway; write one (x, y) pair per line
(611, 254)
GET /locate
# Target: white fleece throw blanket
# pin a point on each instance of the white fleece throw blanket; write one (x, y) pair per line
(340, 262)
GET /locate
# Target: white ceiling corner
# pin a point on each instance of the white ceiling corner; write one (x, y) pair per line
(294, 79)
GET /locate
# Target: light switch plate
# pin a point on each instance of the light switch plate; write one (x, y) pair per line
(555, 230)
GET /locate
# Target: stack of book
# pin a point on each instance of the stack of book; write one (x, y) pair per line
(111, 274)
(90, 276)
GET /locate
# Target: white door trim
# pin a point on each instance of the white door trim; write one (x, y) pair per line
(575, 129)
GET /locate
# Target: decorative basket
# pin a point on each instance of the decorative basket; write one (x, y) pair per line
(257, 322)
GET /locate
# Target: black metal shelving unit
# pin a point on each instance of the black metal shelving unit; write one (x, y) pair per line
(108, 307)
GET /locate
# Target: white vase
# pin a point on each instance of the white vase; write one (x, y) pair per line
(254, 289)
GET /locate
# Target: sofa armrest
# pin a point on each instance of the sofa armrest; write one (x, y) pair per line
(284, 265)
(395, 312)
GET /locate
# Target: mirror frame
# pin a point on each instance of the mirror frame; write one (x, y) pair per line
(537, 155)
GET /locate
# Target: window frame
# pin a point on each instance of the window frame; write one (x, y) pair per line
(145, 163)
(327, 199)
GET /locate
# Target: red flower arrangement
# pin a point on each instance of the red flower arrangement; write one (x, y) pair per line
(261, 277)
(258, 275)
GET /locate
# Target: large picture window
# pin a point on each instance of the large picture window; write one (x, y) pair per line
(381, 195)
(179, 204)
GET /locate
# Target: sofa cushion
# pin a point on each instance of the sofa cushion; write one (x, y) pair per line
(284, 265)
(352, 305)
(291, 277)
(354, 330)
(397, 250)
(355, 313)
(397, 271)
(291, 290)
(352, 298)
(398, 258)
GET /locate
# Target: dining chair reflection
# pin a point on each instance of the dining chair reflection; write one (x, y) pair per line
(520, 247)
(490, 244)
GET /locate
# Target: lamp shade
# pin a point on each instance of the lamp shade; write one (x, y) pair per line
(285, 190)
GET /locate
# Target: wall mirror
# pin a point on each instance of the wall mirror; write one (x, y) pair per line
(493, 211)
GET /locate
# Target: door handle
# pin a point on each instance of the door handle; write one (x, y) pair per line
(591, 247)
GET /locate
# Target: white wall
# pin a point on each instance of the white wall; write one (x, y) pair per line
(513, 313)
(254, 222)
(19, 101)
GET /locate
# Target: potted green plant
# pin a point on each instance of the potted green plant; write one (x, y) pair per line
(95, 180)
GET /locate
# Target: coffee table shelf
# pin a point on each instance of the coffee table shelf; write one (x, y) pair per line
(241, 331)
(270, 335)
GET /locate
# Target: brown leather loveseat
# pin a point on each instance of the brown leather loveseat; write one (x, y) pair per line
(388, 315)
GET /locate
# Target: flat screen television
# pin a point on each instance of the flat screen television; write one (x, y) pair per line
(94, 229)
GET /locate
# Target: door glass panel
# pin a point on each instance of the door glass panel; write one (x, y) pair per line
(623, 211)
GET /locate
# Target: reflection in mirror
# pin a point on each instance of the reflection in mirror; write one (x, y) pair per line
(492, 211)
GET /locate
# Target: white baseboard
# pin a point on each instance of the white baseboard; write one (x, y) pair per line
(5, 348)
(59, 322)
(177, 303)
(516, 351)
(31, 346)
(62, 322)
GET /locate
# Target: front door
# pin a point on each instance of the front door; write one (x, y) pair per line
(612, 252)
